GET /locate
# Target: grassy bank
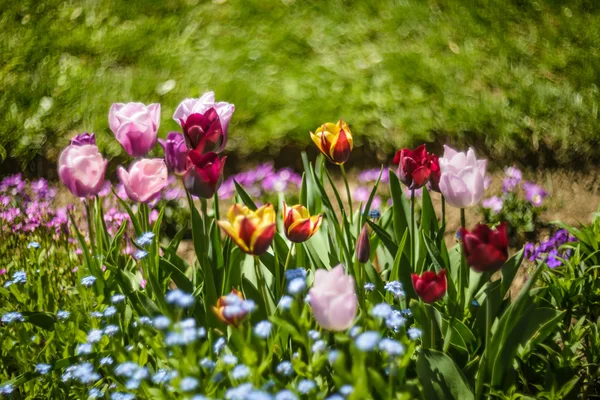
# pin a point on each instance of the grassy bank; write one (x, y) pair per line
(518, 80)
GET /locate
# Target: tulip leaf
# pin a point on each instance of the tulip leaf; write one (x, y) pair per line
(441, 378)
(401, 210)
(509, 271)
(313, 201)
(367, 207)
(134, 220)
(335, 192)
(386, 239)
(251, 292)
(177, 275)
(246, 199)
(42, 319)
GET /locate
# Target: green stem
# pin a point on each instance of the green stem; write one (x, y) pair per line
(216, 206)
(343, 169)
(413, 233)
(260, 281)
(444, 213)
(281, 280)
(463, 220)
(488, 318)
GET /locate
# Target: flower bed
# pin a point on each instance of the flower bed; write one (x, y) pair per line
(307, 296)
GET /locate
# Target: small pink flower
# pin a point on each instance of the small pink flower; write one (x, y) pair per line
(135, 126)
(2, 271)
(144, 180)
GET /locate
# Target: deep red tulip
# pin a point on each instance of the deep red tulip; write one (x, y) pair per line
(204, 174)
(486, 249)
(434, 177)
(203, 132)
(415, 166)
(363, 247)
(430, 287)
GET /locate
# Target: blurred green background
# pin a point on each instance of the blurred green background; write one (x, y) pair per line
(517, 79)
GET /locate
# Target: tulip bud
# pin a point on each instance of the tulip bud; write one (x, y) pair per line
(230, 309)
(135, 126)
(144, 180)
(204, 174)
(252, 231)
(176, 152)
(81, 169)
(415, 166)
(299, 225)
(462, 180)
(334, 140)
(363, 247)
(84, 138)
(429, 286)
(333, 299)
(486, 249)
(204, 122)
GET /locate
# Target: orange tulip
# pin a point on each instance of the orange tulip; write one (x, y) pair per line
(229, 309)
(334, 140)
(299, 225)
(252, 231)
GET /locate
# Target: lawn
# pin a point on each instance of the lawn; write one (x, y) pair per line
(519, 80)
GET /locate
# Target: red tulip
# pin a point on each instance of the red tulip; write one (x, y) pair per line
(436, 173)
(363, 247)
(204, 174)
(415, 166)
(486, 249)
(430, 287)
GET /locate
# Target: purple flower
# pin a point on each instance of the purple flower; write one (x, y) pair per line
(493, 203)
(529, 251)
(534, 193)
(553, 260)
(84, 138)
(176, 152)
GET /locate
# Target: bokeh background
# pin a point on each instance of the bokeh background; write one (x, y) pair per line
(516, 79)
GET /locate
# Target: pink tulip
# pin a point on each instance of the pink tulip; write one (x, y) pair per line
(145, 179)
(463, 178)
(81, 169)
(333, 299)
(135, 126)
(204, 122)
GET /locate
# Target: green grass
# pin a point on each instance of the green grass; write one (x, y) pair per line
(519, 80)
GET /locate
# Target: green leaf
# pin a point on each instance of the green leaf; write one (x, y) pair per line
(134, 220)
(367, 207)
(44, 320)
(386, 239)
(401, 209)
(441, 378)
(177, 275)
(244, 196)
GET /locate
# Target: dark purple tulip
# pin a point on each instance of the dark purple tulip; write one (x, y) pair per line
(176, 152)
(84, 138)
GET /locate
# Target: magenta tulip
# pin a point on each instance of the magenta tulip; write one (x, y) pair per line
(333, 299)
(81, 169)
(204, 122)
(176, 152)
(135, 126)
(204, 174)
(144, 180)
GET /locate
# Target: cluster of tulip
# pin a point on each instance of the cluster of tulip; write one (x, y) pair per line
(193, 154)
(458, 176)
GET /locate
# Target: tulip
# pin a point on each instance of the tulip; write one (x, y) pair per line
(145, 179)
(176, 152)
(204, 122)
(252, 231)
(299, 225)
(485, 249)
(415, 167)
(204, 174)
(334, 140)
(463, 177)
(333, 299)
(363, 247)
(434, 178)
(230, 309)
(81, 169)
(84, 138)
(135, 126)
(429, 286)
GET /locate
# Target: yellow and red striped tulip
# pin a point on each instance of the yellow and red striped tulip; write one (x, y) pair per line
(252, 231)
(299, 225)
(228, 308)
(334, 140)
